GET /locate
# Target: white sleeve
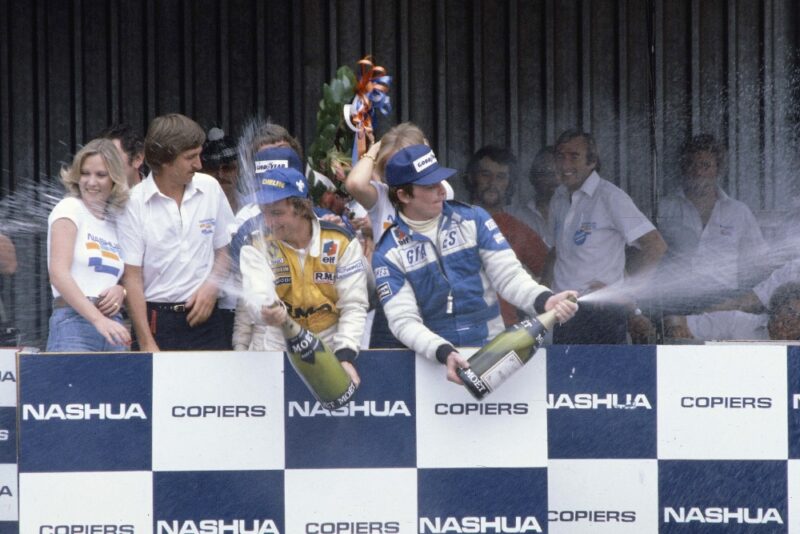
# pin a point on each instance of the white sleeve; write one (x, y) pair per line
(225, 220)
(405, 322)
(257, 287)
(242, 327)
(510, 279)
(788, 273)
(352, 300)
(628, 218)
(130, 232)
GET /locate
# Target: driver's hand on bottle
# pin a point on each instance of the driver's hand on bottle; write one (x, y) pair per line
(454, 361)
(565, 308)
(350, 369)
(273, 315)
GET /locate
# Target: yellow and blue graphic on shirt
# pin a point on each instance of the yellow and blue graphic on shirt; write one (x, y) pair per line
(207, 226)
(102, 255)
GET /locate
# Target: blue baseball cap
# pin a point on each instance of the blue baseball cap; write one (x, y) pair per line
(416, 164)
(277, 158)
(277, 184)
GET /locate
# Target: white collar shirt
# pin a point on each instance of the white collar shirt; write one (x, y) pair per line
(728, 326)
(175, 245)
(530, 215)
(725, 252)
(591, 232)
(790, 272)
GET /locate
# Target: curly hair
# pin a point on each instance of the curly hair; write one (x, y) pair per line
(107, 150)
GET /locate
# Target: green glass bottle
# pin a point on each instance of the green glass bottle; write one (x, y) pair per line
(505, 354)
(318, 366)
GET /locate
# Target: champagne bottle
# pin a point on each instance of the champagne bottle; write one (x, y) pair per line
(318, 366)
(505, 354)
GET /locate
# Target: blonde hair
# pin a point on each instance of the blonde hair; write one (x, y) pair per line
(403, 135)
(107, 150)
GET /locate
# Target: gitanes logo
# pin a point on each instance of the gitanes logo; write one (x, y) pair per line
(726, 515)
(595, 401)
(218, 526)
(366, 408)
(482, 525)
(73, 412)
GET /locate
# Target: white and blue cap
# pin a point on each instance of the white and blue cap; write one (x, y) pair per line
(277, 158)
(277, 184)
(416, 164)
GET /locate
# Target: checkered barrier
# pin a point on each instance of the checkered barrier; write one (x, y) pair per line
(587, 439)
(8, 441)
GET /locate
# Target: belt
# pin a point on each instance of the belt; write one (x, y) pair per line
(174, 307)
(59, 302)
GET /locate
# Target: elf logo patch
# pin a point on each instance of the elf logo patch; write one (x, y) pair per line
(329, 249)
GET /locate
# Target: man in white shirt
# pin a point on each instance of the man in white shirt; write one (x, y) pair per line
(782, 322)
(593, 221)
(174, 239)
(715, 243)
(536, 211)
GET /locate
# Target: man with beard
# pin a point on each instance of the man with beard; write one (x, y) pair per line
(491, 181)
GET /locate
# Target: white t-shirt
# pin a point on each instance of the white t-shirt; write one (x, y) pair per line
(382, 215)
(530, 215)
(788, 273)
(728, 326)
(591, 232)
(726, 253)
(97, 263)
(175, 245)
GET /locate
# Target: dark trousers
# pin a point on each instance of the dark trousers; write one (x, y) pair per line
(594, 324)
(172, 332)
(380, 336)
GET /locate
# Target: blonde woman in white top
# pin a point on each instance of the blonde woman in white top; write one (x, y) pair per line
(84, 259)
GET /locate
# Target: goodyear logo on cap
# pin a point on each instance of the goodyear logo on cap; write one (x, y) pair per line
(272, 182)
(265, 165)
(420, 164)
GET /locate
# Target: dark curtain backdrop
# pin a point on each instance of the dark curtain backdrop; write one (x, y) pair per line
(642, 75)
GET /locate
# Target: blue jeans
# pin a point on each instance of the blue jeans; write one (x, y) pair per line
(70, 332)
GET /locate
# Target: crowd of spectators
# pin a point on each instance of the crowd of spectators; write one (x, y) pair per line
(160, 239)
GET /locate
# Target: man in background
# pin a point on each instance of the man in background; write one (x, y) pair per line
(130, 144)
(593, 221)
(491, 180)
(174, 237)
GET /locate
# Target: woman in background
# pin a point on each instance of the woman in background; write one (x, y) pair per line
(365, 184)
(83, 254)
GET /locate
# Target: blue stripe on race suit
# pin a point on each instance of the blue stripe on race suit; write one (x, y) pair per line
(402, 255)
